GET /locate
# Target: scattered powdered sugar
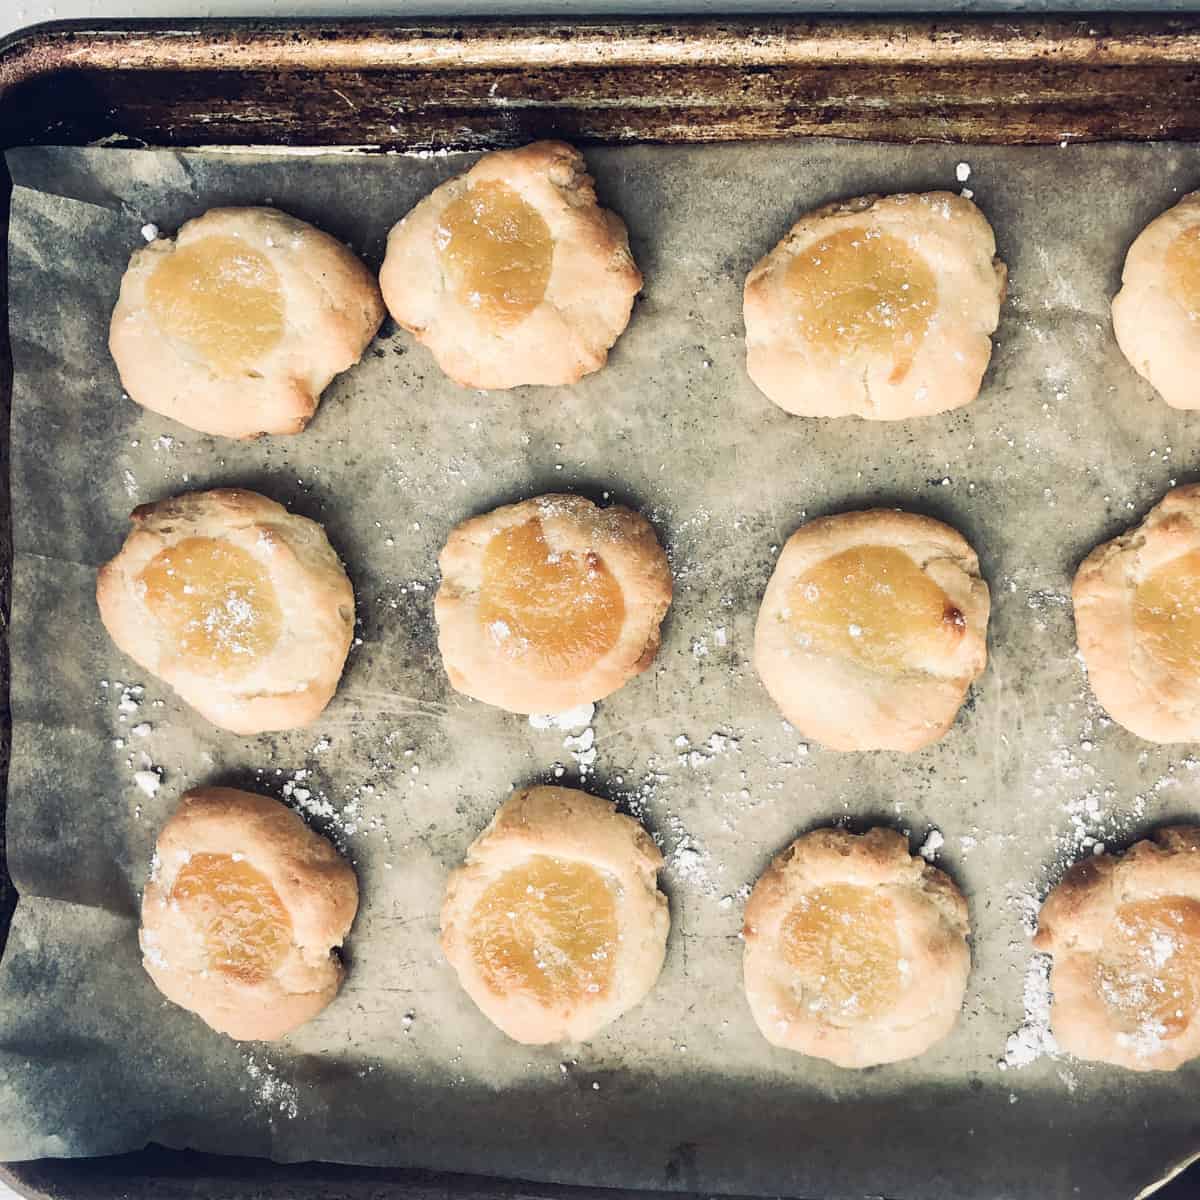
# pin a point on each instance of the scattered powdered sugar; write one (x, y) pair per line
(713, 747)
(690, 862)
(1069, 1078)
(572, 719)
(580, 741)
(934, 841)
(150, 231)
(129, 696)
(962, 172)
(338, 820)
(268, 1090)
(583, 750)
(129, 699)
(1033, 1039)
(1028, 904)
(148, 780)
(639, 798)
(741, 896)
(1098, 813)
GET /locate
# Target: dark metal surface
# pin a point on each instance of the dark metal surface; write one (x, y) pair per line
(485, 84)
(972, 80)
(172, 1175)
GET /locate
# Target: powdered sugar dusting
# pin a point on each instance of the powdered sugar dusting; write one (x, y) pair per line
(934, 841)
(338, 819)
(268, 1090)
(1033, 1039)
(583, 750)
(689, 861)
(574, 719)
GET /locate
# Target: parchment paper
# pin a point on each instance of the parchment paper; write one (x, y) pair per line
(1064, 448)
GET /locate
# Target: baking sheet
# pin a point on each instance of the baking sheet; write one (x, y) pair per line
(1065, 447)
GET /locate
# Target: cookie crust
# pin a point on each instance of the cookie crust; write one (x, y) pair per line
(314, 883)
(333, 309)
(588, 298)
(1072, 924)
(932, 927)
(571, 825)
(847, 705)
(480, 666)
(955, 241)
(1153, 327)
(297, 678)
(1138, 690)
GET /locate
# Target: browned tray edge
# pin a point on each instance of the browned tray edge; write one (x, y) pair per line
(393, 85)
(1013, 80)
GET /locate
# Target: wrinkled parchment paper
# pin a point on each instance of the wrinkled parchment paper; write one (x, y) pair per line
(1065, 447)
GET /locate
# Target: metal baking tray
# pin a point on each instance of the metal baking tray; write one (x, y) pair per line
(381, 86)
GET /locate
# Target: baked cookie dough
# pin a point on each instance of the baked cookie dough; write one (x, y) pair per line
(242, 607)
(555, 924)
(880, 307)
(511, 273)
(550, 603)
(242, 914)
(856, 950)
(1156, 314)
(237, 326)
(872, 628)
(1125, 937)
(1137, 619)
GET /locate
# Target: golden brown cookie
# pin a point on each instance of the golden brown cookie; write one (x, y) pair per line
(872, 628)
(1125, 937)
(555, 924)
(244, 909)
(856, 951)
(1137, 619)
(880, 307)
(511, 273)
(238, 325)
(1156, 314)
(242, 607)
(550, 603)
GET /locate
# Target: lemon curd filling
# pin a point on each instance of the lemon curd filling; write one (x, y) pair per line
(547, 927)
(221, 298)
(497, 251)
(862, 292)
(557, 610)
(875, 605)
(1148, 970)
(842, 943)
(215, 601)
(1166, 612)
(245, 927)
